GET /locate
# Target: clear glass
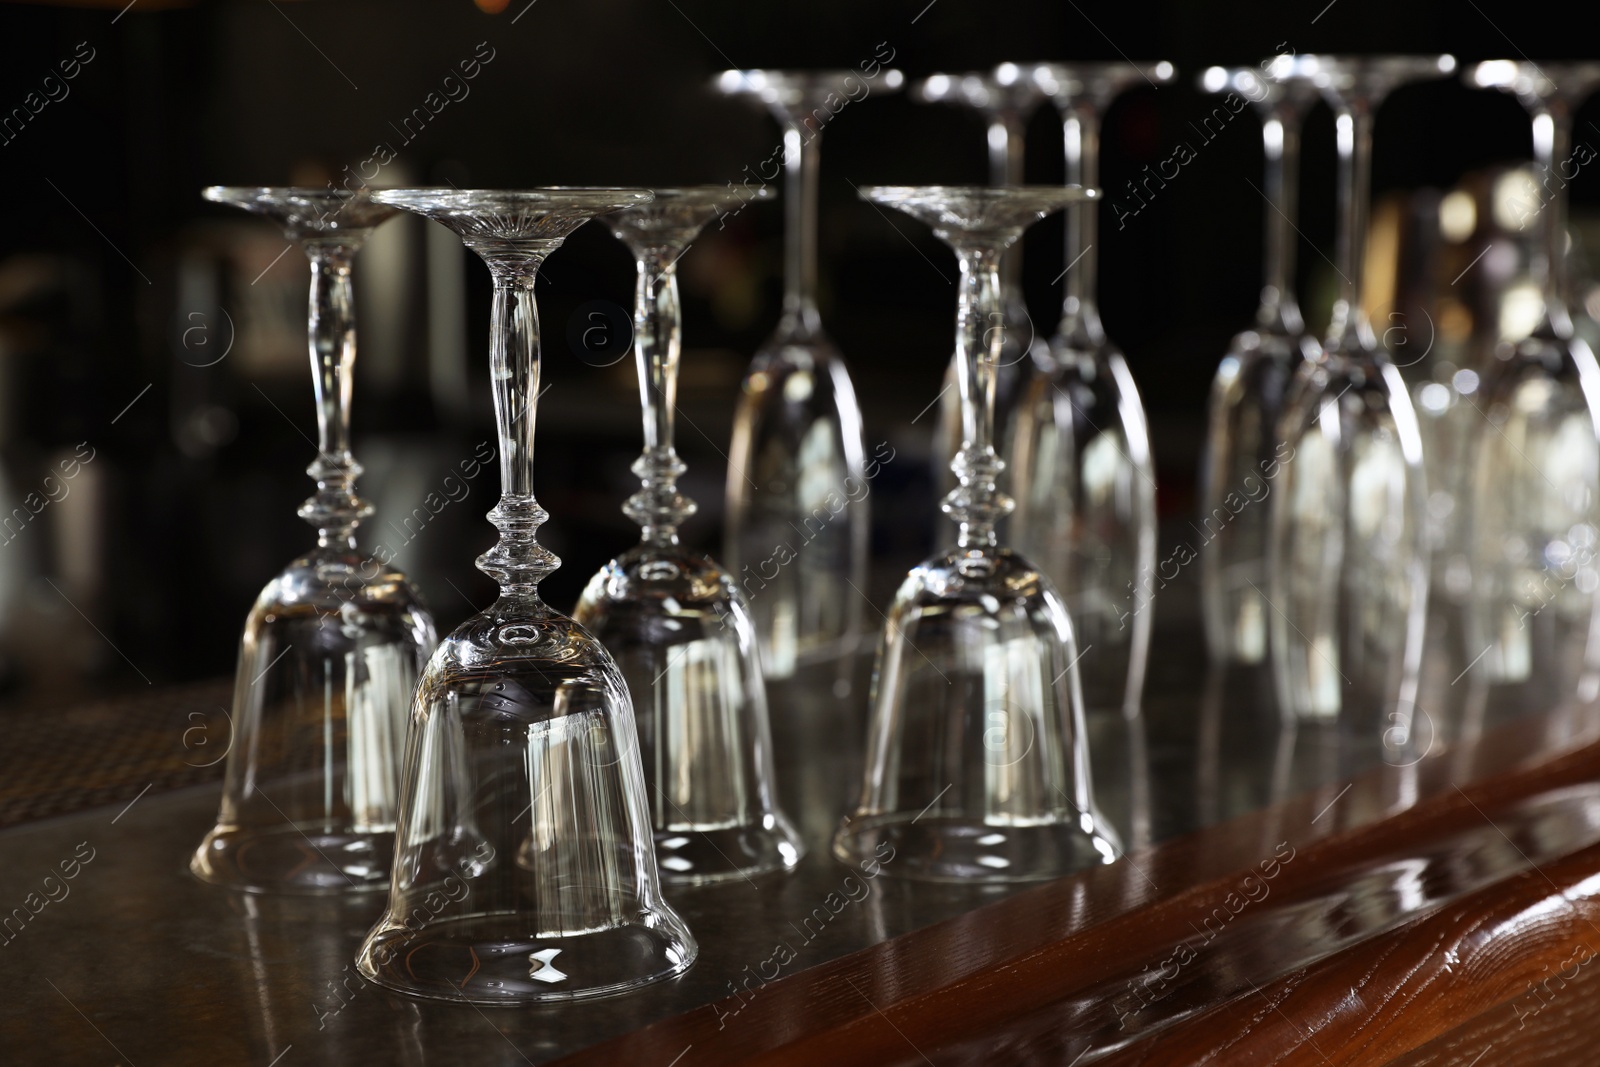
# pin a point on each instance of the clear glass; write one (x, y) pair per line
(679, 627)
(333, 645)
(977, 765)
(797, 526)
(1533, 499)
(524, 869)
(1079, 445)
(1348, 561)
(1242, 454)
(1005, 97)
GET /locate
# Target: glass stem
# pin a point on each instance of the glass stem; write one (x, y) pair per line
(1280, 135)
(976, 503)
(1005, 168)
(1349, 327)
(1082, 129)
(802, 143)
(517, 561)
(1552, 143)
(334, 509)
(658, 507)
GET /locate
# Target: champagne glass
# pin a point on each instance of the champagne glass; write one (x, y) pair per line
(1533, 515)
(333, 645)
(797, 433)
(675, 621)
(1348, 561)
(1005, 97)
(524, 869)
(977, 761)
(1079, 446)
(1247, 393)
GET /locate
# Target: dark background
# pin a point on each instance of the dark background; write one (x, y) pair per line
(145, 571)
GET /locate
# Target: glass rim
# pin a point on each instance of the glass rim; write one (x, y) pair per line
(1064, 194)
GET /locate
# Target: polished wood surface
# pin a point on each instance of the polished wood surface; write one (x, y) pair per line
(1412, 914)
(1352, 925)
(1509, 950)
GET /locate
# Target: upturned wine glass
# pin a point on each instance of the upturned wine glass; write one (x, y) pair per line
(333, 645)
(1348, 559)
(977, 763)
(524, 869)
(1533, 514)
(1079, 445)
(676, 622)
(1247, 394)
(1004, 97)
(798, 445)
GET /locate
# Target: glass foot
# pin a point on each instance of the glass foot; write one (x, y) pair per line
(952, 849)
(701, 857)
(498, 960)
(288, 859)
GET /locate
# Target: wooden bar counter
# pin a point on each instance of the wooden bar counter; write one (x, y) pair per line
(1281, 902)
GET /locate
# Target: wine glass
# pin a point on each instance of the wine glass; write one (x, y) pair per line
(676, 622)
(524, 869)
(798, 441)
(1079, 446)
(1533, 508)
(1348, 558)
(977, 762)
(1247, 393)
(333, 645)
(1005, 97)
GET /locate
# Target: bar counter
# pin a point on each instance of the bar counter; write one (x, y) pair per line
(1281, 901)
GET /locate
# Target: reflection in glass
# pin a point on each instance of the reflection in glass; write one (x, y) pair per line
(676, 622)
(333, 645)
(798, 449)
(524, 869)
(977, 763)
(1079, 445)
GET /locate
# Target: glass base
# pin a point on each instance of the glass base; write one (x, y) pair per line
(937, 848)
(288, 859)
(496, 960)
(703, 857)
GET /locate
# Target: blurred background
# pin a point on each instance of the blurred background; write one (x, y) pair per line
(156, 343)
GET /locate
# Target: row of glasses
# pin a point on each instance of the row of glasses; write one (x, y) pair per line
(1079, 443)
(524, 712)
(1348, 569)
(528, 835)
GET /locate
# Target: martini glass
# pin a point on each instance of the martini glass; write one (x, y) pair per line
(1348, 559)
(676, 621)
(1005, 97)
(1247, 394)
(524, 868)
(977, 762)
(1079, 446)
(333, 645)
(1534, 500)
(798, 446)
